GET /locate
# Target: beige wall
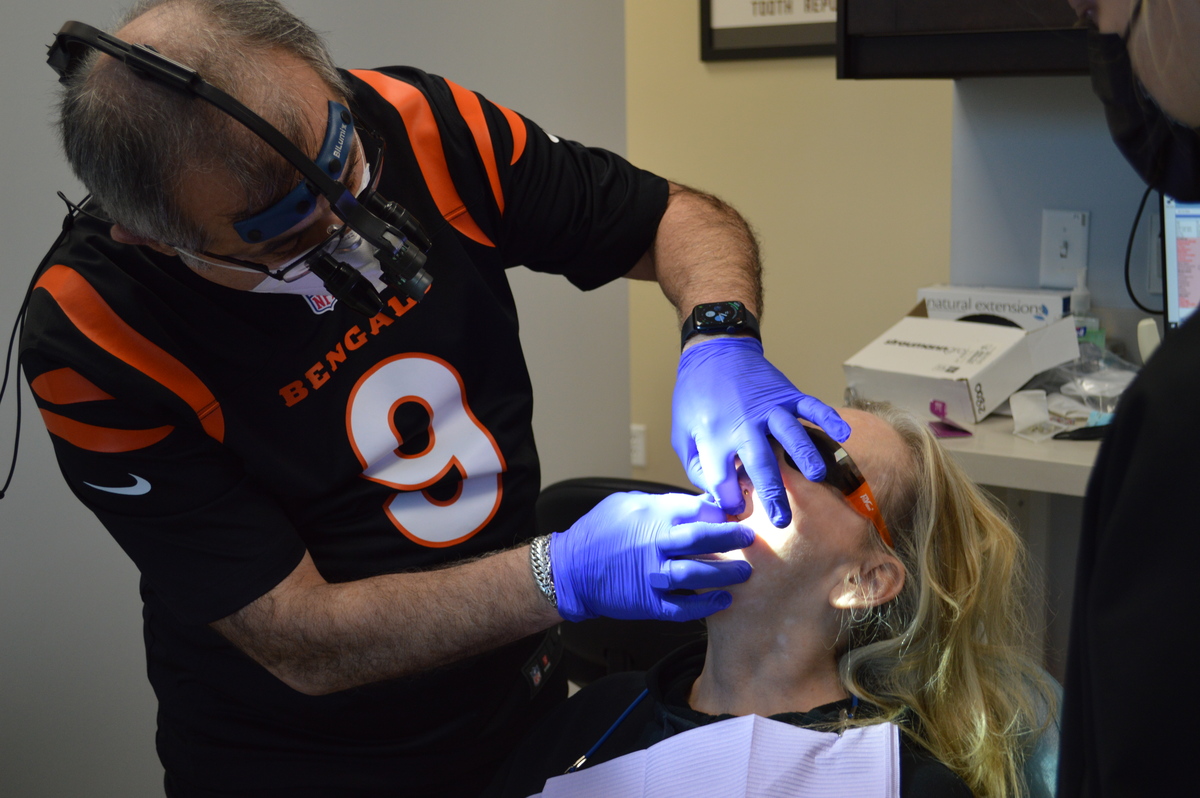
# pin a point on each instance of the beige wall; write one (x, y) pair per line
(846, 182)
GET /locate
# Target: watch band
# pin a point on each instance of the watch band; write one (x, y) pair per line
(713, 318)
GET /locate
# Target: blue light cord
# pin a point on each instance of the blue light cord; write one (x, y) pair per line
(583, 759)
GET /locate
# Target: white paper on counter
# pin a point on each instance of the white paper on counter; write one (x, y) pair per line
(1031, 416)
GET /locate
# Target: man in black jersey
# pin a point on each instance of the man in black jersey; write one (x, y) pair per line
(330, 510)
(1132, 619)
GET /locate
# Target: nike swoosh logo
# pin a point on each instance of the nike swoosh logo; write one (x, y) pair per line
(140, 487)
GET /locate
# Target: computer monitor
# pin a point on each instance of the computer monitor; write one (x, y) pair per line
(1181, 260)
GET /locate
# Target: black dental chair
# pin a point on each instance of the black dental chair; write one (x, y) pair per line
(601, 646)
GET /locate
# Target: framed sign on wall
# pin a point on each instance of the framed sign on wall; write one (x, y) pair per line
(739, 29)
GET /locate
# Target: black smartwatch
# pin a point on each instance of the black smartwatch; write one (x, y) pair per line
(719, 317)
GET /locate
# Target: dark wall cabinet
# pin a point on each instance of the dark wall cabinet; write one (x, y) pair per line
(958, 38)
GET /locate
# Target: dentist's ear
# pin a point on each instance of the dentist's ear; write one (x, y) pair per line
(123, 236)
(869, 586)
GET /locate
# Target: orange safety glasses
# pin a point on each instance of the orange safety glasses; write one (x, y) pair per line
(842, 473)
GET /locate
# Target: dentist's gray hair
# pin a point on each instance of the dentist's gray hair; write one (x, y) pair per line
(132, 141)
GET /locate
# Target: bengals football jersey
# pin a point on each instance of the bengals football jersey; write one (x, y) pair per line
(220, 434)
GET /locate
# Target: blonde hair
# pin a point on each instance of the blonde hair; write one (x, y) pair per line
(1161, 45)
(949, 659)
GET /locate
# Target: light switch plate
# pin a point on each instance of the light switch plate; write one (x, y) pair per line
(1064, 248)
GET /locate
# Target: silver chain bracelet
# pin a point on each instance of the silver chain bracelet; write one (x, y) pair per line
(543, 574)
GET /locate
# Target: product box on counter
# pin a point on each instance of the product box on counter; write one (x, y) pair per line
(970, 367)
(1027, 309)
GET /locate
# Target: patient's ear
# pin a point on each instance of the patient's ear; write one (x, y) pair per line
(876, 582)
(123, 236)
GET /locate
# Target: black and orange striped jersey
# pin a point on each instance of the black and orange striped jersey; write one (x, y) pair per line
(219, 434)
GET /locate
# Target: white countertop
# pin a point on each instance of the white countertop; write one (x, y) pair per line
(994, 456)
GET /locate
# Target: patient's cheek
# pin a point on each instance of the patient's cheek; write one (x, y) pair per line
(774, 539)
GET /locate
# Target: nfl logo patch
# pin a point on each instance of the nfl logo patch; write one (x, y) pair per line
(321, 303)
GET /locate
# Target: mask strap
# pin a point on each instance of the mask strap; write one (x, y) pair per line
(1134, 15)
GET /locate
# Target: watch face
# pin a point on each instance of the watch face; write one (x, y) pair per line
(718, 315)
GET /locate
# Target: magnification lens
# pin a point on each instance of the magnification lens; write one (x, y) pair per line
(300, 266)
(336, 239)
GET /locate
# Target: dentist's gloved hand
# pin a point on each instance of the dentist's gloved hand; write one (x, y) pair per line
(728, 398)
(621, 559)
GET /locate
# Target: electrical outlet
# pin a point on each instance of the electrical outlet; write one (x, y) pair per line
(637, 445)
(1064, 248)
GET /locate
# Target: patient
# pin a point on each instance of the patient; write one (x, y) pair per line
(913, 616)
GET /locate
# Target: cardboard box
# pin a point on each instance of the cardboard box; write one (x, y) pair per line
(1029, 310)
(971, 367)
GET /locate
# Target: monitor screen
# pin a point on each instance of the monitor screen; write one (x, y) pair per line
(1181, 259)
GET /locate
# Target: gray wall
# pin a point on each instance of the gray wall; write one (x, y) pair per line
(76, 716)
(1022, 145)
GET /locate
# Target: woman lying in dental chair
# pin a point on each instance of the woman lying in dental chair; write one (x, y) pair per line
(909, 614)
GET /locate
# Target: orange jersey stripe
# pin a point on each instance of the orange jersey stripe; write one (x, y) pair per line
(102, 439)
(88, 311)
(472, 111)
(518, 132)
(66, 387)
(426, 143)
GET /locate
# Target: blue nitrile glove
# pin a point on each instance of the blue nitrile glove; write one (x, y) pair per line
(728, 398)
(620, 560)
